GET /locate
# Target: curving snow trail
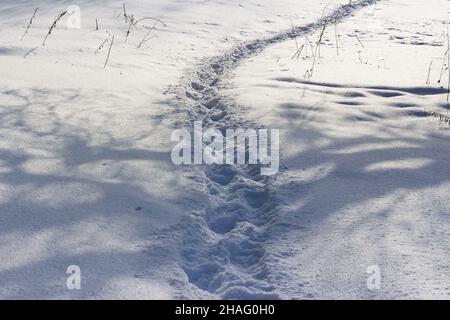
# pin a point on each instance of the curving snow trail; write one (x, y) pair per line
(223, 245)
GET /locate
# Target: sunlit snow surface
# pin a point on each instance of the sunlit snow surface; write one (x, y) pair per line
(85, 171)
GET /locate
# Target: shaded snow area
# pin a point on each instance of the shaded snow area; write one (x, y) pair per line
(358, 90)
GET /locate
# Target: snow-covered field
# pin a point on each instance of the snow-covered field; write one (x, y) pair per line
(86, 176)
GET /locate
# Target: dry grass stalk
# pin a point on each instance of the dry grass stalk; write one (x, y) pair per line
(310, 72)
(448, 62)
(147, 37)
(443, 66)
(109, 51)
(125, 13)
(429, 72)
(151, 18)
(134, 22)
(298, 52)
(53, 26)
(100, 47)
(442, 118)
(29, 23)
(336, 38)
(357, 38)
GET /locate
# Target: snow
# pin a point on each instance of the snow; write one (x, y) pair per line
(86, 176)
(367, 168)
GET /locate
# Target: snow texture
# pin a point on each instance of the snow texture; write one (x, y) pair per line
(85, 171)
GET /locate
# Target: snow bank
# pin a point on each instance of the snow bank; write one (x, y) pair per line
(366, 177)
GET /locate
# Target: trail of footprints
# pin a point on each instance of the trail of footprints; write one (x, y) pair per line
(223, 247)
(227, 257)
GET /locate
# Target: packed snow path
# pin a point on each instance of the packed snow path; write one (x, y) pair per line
(223, 244)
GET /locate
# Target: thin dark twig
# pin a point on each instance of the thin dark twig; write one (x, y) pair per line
(29, 23)
(448, 62)
(125, 13)
(429, 71)
(298, 52)
(100, 47)
(336, 38)
(311, 71)
(109, 51)
(357, 38)
(53, 25)
(146, 37)
(133, 22)
(443, 66)
(151, 18)
(145, 40)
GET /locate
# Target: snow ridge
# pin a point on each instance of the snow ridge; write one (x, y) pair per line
(223, 246)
